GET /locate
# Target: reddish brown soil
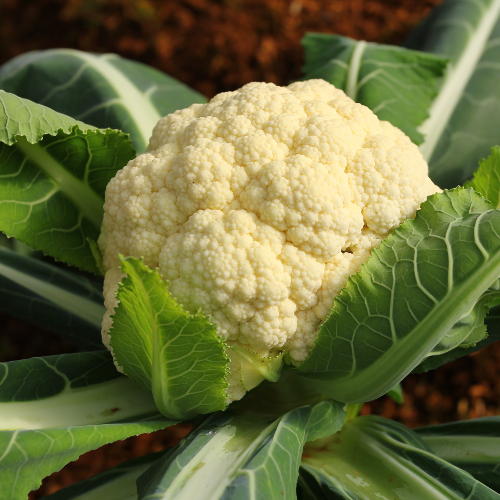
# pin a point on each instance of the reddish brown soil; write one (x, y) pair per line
(216, 45)
(212, 45)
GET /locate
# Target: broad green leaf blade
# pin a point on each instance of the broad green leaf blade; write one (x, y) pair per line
(55, 408)
(68, 390)
(105, 90)
(472, 445)
(486, 180)
(464, 119)
(53, 298)
(118, 483)
(373, 457)
(240, 457)
(398, 85)
(27, 456)
(421, 281)
(51, 191)
(175, 354)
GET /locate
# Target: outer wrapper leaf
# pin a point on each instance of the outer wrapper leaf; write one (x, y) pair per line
(398, 85)
(105, 90)
(465, 117)
(55, 408)
(52, 298)
(481, 320)
(51, 449)
(53, 173)
(68, 390)
(240, 457)
(472, 445)
(373, 457)
(175, 354)
(425, 277)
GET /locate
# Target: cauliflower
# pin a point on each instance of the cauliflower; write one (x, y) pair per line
(257, 206)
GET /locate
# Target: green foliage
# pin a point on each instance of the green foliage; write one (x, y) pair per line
(68, 389)
(175, 354)
(53, 173)
(229, 456)
(406, 298)
(435, 362)
(55, 408)
(51, 297)
(397, 394)
(105, 90)
(52, 448)
(373, 457)
(398, 85)
(424, 297)
(472, 445)
(486, 179)
(455, 114)
(465, 117)
(240, 457)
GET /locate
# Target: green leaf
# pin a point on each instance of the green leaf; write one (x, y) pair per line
(52, 298)
(105, 90)
(485, 323)
(27, 456)
(422, 280)
(398, 85)
(240, 457)
(175, 354)
(53, 173)
(472, 445)
(118, 483)
(16, 246)
(373, 457)
(55, 408)
(21, 118)
(486, 180)
(68, 390)
(465, 117)
(397, 394)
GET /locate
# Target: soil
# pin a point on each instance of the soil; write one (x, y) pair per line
(216, 45)
(212, 45)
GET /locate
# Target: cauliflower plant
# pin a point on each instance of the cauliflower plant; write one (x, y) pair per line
(257, 206)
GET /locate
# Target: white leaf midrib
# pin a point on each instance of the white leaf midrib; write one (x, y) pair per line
(140, 109)
(228, 461)
(456, 80)
(354, 67)
(95, 404)
(73, 303)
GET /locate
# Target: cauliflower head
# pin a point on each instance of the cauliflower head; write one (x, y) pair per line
(258, 205)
